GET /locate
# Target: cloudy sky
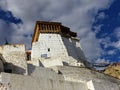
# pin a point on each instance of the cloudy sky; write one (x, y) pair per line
(97, 23)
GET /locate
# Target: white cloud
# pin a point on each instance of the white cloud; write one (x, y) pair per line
(111, 52)
(106, 42)
(117, 32)
(102, 61)
(116, 44)
(101, 15)
(3, 4)
(76, 14)
(91, 45)
(97, 28)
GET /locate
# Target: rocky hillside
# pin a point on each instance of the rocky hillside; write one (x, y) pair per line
(113, 70)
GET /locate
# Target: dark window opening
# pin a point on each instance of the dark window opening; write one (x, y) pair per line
(59, 72)
(28, 57)
(48, 49)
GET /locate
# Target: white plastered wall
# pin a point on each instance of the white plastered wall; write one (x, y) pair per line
(73, 48)
(15, 55)
(53, 46)
(50, 44)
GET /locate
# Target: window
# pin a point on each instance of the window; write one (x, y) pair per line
(28, 57)
(48, 49)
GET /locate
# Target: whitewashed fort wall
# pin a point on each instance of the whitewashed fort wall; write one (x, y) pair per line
(56, 48)
(41, 79)
(47, 79)
(16, 57)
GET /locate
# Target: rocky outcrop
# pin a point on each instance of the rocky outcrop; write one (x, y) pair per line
(113, 70)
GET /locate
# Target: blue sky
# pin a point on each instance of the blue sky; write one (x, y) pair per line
(97, 23)
(109, 23)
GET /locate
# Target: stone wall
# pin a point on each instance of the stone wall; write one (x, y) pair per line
(46, 79)
(105, 85)
(51, 62)
(15, 58)
(83, 74)
(40, 79)
(94, 80)
(102, 85)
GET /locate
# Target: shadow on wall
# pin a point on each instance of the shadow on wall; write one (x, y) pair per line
(73, 51)
(11, 68)
(2, 58)
(31, 69)
(2, 61)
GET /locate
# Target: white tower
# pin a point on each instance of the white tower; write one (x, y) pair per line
(54, 44)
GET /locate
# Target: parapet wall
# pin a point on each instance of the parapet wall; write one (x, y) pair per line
(84, 74)
(105, 85)
(40, 79)
(46, 79)
(15, 57)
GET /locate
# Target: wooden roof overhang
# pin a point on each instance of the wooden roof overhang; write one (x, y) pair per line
(51, 27)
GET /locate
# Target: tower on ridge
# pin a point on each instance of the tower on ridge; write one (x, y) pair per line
(54, 44)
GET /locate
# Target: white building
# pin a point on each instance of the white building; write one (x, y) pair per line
(56, 47)
(54, 44)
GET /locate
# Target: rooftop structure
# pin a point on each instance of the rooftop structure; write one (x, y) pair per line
(56, 43)
(51, 27)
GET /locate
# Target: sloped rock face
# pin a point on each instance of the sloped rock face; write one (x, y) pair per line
(113, 71)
